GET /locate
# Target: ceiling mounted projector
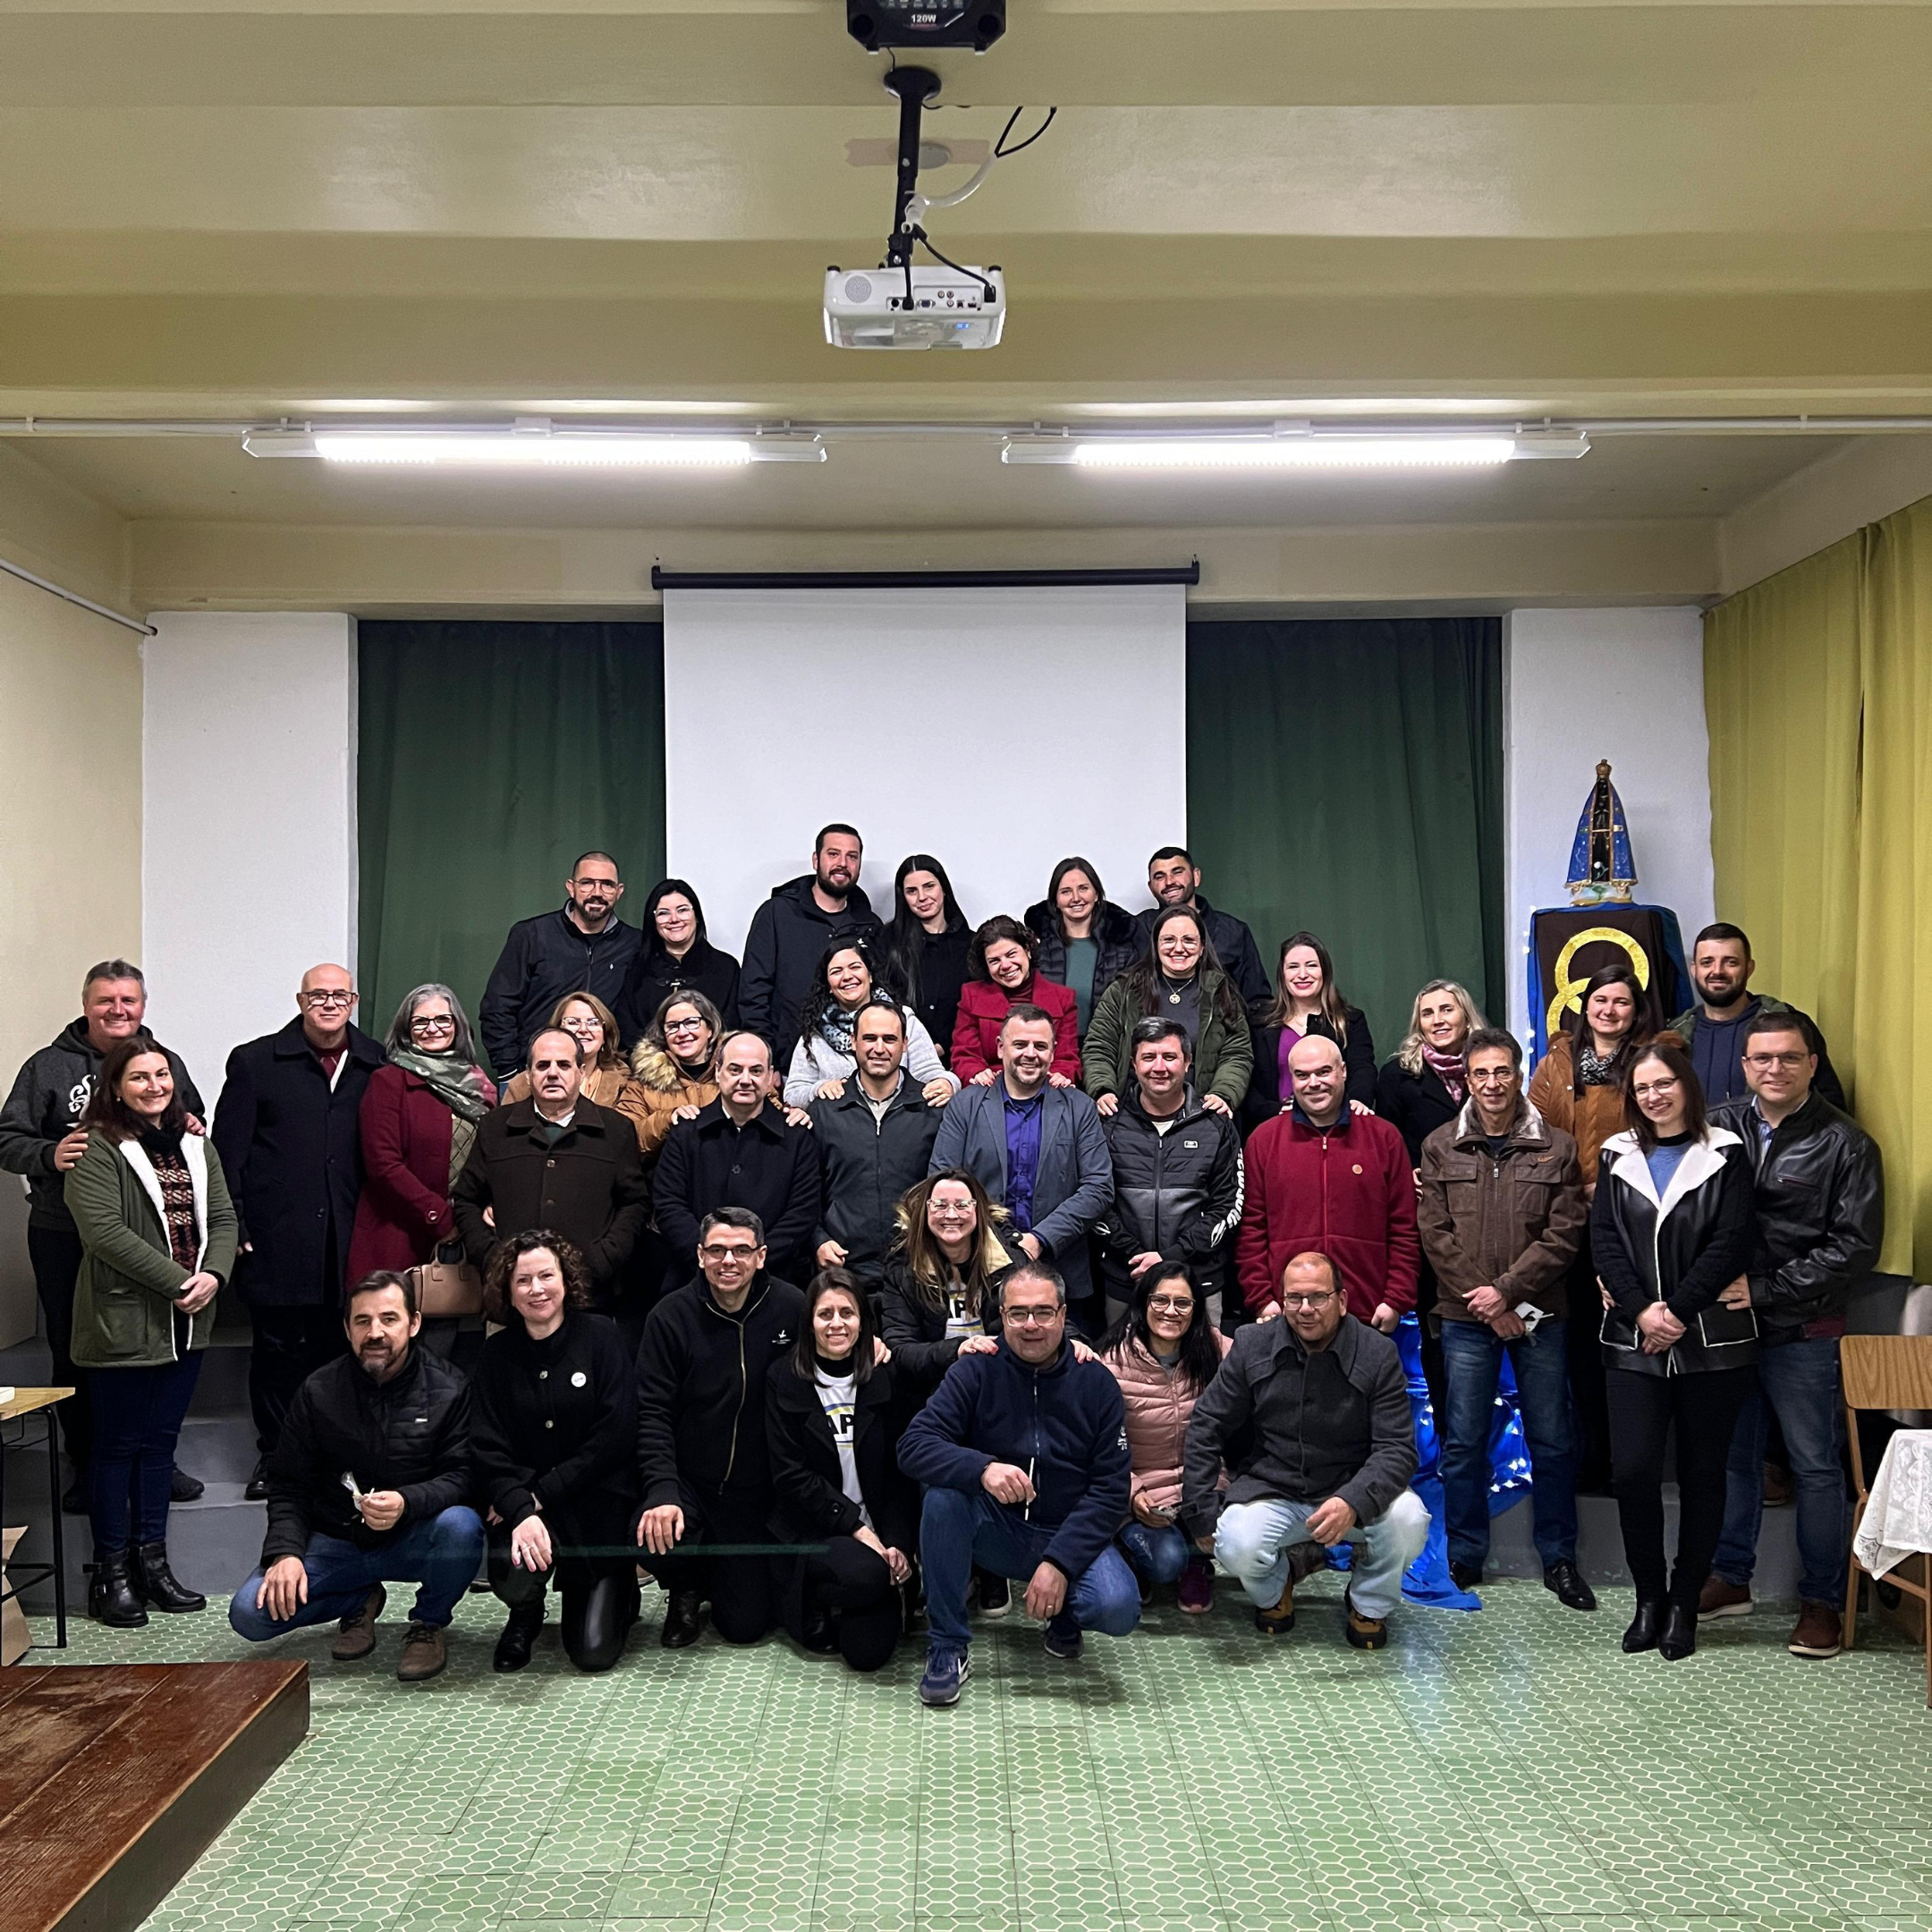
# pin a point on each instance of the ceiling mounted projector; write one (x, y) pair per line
(946, 309)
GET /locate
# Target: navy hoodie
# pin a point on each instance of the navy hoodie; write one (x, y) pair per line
(1063, 1422)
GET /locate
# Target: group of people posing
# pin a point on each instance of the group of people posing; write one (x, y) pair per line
(907, 1260)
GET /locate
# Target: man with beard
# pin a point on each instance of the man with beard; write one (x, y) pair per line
(791, 931)
(367, 1486)
(1713, 1031)
(41, 1138)
(584, 947)
(1173, 878)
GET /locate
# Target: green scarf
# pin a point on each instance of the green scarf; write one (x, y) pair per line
(464, 1089)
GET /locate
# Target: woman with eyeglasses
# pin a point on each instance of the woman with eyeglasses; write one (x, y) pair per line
(673, 1066)
(833, 1418)
(1163, 1352)
(607, 1076)
(677, 956)
(417, 1119)
(941, 1282)
(1671, 1230)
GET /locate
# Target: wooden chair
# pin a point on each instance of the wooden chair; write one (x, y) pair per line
(1884, 1372)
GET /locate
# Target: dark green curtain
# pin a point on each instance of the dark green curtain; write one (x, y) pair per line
(1347, 778)
(490, 756)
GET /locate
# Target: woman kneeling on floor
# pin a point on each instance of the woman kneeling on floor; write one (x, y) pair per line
(1163, 1352)
(555, 1452)
(833, 1421)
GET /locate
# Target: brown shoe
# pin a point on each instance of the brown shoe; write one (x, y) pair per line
(1819, 1632)
(424, 1654)
(355, 1635)
(1719, 1599)
(1366, 1632)
(1279, 1621)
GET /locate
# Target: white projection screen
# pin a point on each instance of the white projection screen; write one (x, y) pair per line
(998, 728)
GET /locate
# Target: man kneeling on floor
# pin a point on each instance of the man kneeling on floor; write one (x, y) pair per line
(1311, 1414)
(1023, 1451)
(367, 1484)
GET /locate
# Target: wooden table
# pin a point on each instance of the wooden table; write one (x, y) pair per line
(23, 1406)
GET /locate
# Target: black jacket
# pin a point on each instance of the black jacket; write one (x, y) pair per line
(543, 959)
(1300, 1427)
(931, 987)
(769, 1167)
(1358, 1063)
(1415, 1105)
(291, 1146)
(1820, 1195)
(916, 1332)
(1234, 945)
(589, 1187)
(789, 934)
(655, 975)
(701, 1376)
(809, 1500)
(1119, 938)
(1683, 1249)
(50, 1094)
(1177, 1194)
(556, 1423)
(410, 1434)
(865, 1166)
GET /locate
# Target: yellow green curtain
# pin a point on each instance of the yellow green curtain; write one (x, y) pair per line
(1818, 686)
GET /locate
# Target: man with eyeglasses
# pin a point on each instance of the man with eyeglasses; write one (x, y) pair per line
(583, 947)
(286, 1129)
(1310, 1415)
(1713, 1031)
(741, 1151)
(702, 1459)
(1022, 1453)
(1499, 1202)
(1820, 1223)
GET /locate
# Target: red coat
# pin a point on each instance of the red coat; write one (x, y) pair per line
(982, 1010)
(405, 1207)
(1349, 1192)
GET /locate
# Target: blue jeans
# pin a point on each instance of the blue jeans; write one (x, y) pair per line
(1154, 1556)
(1799, 1380)
(958, 1531)
(138, 1416)
(1471, 1355)
(441, 1555)
(1252, 1539)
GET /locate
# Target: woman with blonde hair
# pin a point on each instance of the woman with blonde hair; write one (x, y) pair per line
(941, 1283)
(1423, 1085)
(606, 1082)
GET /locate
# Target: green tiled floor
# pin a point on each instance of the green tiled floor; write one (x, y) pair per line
(1509, 1769)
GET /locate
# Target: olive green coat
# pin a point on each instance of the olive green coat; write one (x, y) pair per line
(124, 1298)
(1224, 1056)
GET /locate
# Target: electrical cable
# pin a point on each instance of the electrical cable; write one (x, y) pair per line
(920, 235)
(1000, 150)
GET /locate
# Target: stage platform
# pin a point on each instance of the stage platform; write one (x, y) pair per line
(116, 1778)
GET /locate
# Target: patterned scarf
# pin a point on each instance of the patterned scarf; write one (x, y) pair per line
(1449, 1068)
(836, 1029)
(465, 1089)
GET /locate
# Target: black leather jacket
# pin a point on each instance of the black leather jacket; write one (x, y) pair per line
(1820, 1211)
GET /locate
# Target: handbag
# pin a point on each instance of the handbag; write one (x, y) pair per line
(1719, 1327)
(448, 1287)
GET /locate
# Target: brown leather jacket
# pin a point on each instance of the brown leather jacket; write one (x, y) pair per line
(1512, 1224)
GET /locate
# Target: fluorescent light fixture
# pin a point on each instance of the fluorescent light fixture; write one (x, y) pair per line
(1341, 450)
(532, 449)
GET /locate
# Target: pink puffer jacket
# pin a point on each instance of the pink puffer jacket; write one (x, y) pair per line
(1158, 1406)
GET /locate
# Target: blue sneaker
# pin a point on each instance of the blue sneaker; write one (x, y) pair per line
(1063, 1639)
(946, 1672)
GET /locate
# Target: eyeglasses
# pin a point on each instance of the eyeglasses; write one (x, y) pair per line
(939, 1211)
(1765, 1061)
(693, 1025)
(738, 1257)
(327, 999)
(1030, 1318)
(1168, 1304)
(434, 1023)
(1307, 1300)
(1655, 1090)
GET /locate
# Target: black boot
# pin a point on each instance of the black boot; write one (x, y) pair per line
(513, 1647)
(680, 1620)
(595, 1625)
(1642, 1634)
(1678, 1638)
(112, 1598)
(158, 1585)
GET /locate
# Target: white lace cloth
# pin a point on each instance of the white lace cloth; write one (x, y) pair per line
(1897, 1523)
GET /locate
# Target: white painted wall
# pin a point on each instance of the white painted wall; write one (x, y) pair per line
(1626, 685)
(249, 811)
(1028, 701)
